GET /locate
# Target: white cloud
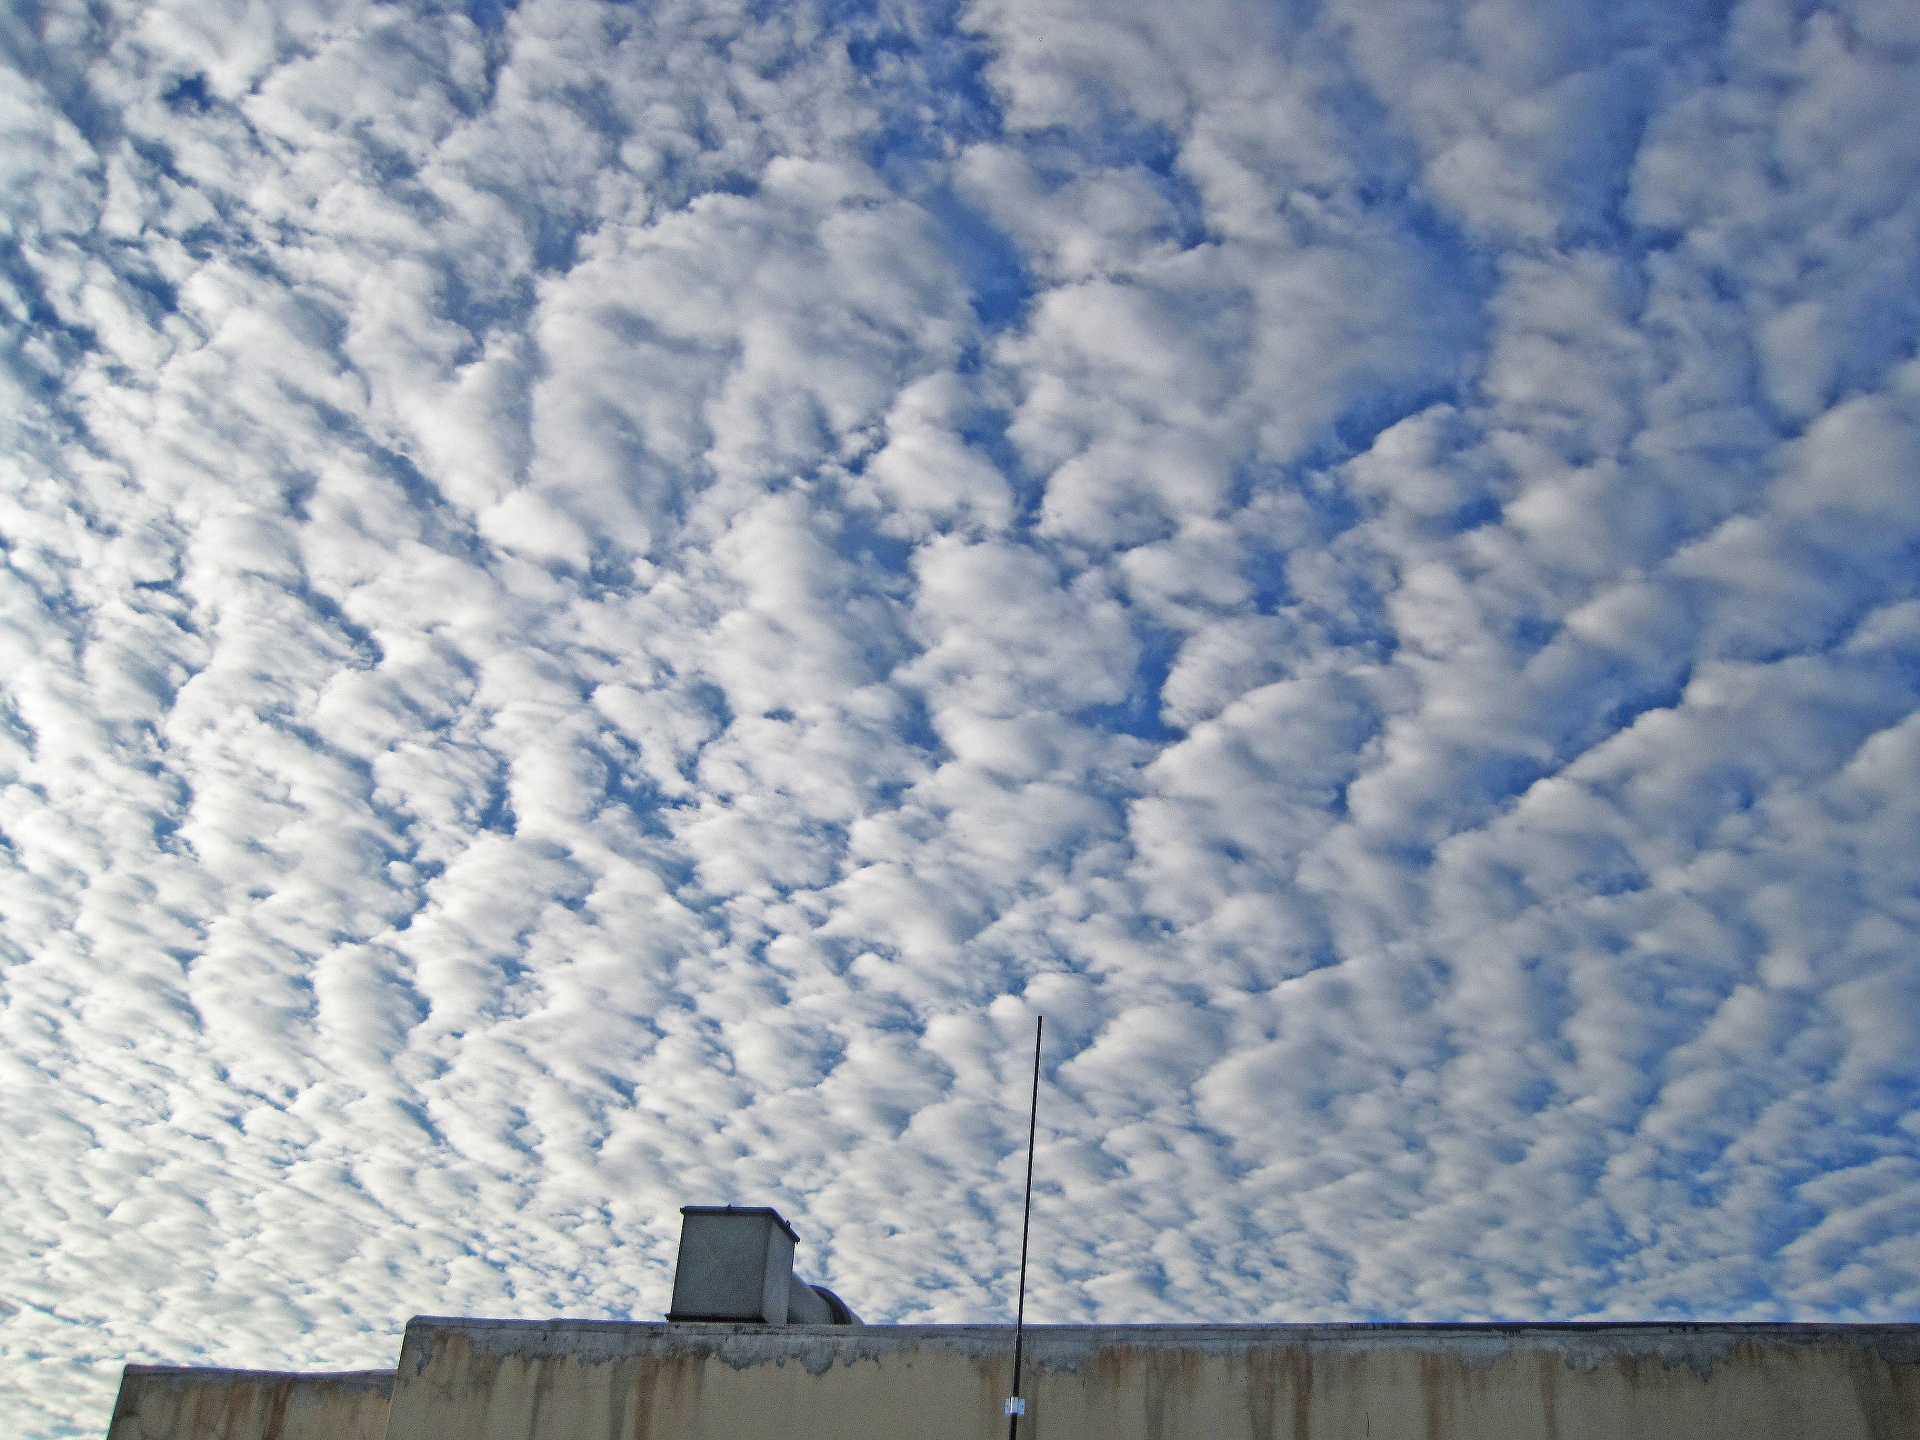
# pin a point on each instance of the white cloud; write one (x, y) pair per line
(596, 608)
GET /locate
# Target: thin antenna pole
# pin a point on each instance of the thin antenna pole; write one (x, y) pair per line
(1016, 1404)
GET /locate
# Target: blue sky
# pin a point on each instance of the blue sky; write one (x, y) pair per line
(599, 602)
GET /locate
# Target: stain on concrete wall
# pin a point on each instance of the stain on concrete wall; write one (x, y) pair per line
(163, 1402)
(585, 1380)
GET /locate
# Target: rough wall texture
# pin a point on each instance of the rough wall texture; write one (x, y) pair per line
(583, 1380)
(162, 1402)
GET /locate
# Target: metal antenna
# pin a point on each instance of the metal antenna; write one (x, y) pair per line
(1016, 1406)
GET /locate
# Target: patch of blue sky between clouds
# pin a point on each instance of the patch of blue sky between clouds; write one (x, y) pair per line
(598, 603)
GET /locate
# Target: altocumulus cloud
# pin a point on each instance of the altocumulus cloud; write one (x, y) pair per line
(599, 602)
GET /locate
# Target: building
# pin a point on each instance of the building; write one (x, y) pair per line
(745, 1355)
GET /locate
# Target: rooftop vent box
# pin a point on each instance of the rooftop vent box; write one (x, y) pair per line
(736, 1264)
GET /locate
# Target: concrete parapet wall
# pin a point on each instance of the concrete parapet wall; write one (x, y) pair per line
(165, 1402)
(586, 1380)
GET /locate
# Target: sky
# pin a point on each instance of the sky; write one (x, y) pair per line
(600, 603)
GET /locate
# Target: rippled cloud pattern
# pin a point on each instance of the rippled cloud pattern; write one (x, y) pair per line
(599, 602)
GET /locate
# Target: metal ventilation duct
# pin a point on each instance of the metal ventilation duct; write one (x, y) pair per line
(736, 1264)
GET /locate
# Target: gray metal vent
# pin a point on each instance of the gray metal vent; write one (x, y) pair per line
(736, 1264)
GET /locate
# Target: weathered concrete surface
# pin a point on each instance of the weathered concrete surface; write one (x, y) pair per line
(587, 1380)
(166, 1402)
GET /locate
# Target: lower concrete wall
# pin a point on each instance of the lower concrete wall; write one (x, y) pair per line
(584, 1380)
(163, 1402)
